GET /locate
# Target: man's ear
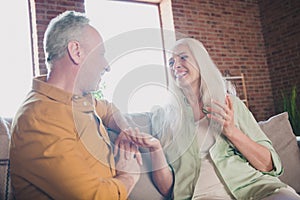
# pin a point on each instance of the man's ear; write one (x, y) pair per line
(74, 51)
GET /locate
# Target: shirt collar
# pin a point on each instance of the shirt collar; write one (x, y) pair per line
(84, 103)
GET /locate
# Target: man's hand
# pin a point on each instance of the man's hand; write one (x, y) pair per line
(127, 168)
(128, 145)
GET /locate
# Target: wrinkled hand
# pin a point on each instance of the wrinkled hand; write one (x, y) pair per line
(224, 116)
(121, 137)
(127, 167)
(127, 162)
(130, 148)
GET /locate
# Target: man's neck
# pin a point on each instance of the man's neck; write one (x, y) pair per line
(63, 78)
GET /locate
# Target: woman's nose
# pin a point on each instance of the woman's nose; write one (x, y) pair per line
(177, 64)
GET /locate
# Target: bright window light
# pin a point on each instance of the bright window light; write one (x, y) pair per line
(133, 42)
(16, 66)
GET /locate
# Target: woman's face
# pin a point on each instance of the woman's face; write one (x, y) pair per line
(184, 68)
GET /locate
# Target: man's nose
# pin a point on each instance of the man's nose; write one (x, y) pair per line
(107, 68)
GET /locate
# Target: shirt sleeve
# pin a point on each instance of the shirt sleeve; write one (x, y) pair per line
(248, 125)
(105, 110)
(47, 152)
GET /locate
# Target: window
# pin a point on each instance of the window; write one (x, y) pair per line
(134, 49)
(16, 66)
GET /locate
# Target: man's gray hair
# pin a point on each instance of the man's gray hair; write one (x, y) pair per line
(61, 30)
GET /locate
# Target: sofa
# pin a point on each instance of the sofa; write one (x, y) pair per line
(277, 128)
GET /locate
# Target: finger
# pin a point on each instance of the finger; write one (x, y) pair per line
(139, 136)
(221, 105)
(127, 133)
(134, 135)
(139, 158)
(131, 135)
(127, 150)
(215, 112)
(121, 150)
(215, 118)
(225, 108)
(229, 102)
(136, 153)
(133, 150)
(117, 145)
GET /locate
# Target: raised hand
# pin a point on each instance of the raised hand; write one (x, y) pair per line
(224, 115)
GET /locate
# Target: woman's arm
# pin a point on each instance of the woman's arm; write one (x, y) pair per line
(162, 175)
(258, 155)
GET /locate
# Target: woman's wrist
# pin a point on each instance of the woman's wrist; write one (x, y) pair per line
(156, 147)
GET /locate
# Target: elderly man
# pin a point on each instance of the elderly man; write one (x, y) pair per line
(60, 148)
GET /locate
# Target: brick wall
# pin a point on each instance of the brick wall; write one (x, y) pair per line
(281, 30)
(231, 32)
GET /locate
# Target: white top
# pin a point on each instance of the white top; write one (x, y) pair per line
(208, 186)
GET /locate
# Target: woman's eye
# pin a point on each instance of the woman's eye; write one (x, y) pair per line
(183, 57)
(171, 63)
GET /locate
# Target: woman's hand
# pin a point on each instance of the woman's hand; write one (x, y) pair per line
(258, 155)
(224, 116)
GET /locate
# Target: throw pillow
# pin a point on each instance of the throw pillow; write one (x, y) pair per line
(279, 131)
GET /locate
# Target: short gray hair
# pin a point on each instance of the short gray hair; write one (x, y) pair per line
(62, 29)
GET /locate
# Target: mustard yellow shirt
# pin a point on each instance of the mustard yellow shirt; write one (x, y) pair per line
(60, 148)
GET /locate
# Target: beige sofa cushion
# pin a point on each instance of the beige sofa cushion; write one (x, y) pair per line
(280, 132)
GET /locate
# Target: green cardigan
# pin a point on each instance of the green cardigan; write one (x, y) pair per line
(241, 179)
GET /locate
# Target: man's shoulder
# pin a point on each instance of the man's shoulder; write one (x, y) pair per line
(36, 108)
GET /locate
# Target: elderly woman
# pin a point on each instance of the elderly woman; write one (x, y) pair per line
(211, 140)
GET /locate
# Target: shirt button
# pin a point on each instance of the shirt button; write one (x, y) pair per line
(75, 97)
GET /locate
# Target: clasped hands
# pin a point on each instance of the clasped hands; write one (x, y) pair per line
(130, 158)
(130, 139)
